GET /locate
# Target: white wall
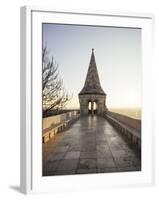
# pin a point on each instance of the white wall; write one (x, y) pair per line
(9, 101)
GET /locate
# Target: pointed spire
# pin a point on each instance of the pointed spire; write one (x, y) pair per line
(92, 82)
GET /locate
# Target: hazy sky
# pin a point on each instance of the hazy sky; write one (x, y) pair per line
(118, 58)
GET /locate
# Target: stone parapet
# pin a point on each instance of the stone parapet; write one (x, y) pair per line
(128, 126)
(129, 121)
(55, 124)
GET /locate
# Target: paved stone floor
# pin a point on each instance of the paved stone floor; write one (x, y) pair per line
(91, 145)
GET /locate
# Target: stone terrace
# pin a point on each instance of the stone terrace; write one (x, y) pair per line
(91, 145)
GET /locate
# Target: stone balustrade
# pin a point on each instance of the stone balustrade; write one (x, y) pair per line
(128, 126)
(57, 123)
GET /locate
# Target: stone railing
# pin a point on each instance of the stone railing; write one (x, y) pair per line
(57, 123)
(128, 126)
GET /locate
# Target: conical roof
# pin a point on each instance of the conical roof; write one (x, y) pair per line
(92, 82)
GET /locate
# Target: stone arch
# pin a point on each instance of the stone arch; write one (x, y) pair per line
(89, 106)
(95, 106)
(92, 106)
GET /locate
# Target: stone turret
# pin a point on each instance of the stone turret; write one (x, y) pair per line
(92, 97)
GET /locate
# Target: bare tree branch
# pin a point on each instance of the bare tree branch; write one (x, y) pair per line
(54, 94)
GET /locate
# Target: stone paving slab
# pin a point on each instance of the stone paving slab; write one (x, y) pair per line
(56, 156)
(105, 163)
(50, 167)
(127, 162)
(86, 171)
(70, 164)
(61, 148)
(72, 155)
(75, 147)
(104, 154)
(107, 170)
(86, 154)
(123, 153)
(87, 163)
(91, 145)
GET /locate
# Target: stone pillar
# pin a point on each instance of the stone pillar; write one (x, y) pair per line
(83, 106)
(92, 111)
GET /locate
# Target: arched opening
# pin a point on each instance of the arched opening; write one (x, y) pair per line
(92, 107)
(95, 107)
(89, 107)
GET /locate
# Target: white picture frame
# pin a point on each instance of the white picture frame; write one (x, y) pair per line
(31, 123)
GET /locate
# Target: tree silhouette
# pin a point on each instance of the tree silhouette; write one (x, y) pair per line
(55, 96)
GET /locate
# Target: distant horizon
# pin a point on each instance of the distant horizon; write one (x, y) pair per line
(130, 112)
(65, 108)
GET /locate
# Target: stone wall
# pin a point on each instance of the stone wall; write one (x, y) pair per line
(129, 127)
(56, 119)
(57, 123)
(131, 122)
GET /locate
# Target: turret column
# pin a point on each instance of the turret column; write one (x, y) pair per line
(92, 111)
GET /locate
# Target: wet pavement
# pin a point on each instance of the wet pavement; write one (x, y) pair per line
(91, 145)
